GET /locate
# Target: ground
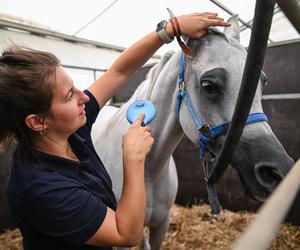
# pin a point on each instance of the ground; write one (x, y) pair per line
(195, 228)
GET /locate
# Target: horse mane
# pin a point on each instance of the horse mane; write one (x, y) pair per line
(157, 68)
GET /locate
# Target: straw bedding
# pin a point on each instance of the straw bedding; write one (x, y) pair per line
(195, 228)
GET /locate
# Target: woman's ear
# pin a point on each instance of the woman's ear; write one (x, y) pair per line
(35, 123)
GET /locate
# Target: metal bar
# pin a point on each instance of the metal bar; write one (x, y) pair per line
(96, 17)
(262, 230)
(285, 42)
(83, 68)
(290, 96)
(42, 32)
(230, 12)
(4, 24)
(291, 9)
(253, 66)
(243, 27)
(223, 7)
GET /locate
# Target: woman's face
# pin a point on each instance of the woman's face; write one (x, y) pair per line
(67, 108)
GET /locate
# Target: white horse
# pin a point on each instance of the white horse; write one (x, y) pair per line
(213, 77)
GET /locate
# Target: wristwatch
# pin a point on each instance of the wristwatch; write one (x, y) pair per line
(161, 31)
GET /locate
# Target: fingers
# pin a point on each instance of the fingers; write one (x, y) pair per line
(140, 119)
(139, 122)
(207, 14)
(214, 20)
(137, 141)
(215, 17)
(202, 33)
(218, 22)
(196, 25)
(148, 129)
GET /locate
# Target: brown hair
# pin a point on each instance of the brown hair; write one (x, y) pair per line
(26, 87)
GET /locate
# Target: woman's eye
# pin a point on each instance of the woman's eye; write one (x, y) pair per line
(71, 94)
(209, 87)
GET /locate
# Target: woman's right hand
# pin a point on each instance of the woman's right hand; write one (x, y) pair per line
(137, 142)
(124, 226)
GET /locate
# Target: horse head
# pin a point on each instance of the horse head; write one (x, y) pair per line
(212, 80)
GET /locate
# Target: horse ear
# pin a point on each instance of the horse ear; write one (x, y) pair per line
(233, 31)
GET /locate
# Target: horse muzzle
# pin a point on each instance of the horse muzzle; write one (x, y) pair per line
(267, 175)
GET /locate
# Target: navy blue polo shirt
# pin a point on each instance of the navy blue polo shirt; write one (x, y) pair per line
(58, 203)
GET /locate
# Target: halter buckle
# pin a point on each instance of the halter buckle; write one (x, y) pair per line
(181, 85)
(205, 129)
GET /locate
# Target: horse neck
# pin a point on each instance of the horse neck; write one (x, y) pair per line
(165, 128)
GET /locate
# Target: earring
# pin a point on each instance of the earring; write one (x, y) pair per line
(43, 132)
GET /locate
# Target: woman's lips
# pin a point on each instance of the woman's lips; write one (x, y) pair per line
(82, 113)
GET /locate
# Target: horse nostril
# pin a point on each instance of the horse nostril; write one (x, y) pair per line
(267, 175)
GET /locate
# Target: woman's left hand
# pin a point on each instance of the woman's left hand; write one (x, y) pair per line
(196, 25)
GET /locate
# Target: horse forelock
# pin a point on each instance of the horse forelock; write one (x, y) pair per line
(194, 44)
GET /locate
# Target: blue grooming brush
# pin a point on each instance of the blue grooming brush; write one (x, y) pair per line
(138, 107)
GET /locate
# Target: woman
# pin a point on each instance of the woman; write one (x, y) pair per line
(59, 192)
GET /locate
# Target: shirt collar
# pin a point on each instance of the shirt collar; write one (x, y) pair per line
(79, 145)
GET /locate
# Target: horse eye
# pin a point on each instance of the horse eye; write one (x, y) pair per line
(209, 87)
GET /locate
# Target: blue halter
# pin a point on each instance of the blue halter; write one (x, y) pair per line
(208, 132)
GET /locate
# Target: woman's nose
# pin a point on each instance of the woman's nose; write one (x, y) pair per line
(83, 98)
